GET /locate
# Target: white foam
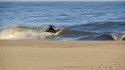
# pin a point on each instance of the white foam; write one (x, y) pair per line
(117, 36)
(24, 33)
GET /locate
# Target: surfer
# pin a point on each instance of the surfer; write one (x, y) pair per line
(51, 29)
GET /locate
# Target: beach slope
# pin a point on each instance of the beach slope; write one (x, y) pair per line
(55, 55)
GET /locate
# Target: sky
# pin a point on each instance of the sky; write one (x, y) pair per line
(62, 0)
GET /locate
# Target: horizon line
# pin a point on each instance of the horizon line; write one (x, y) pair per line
(69, 1)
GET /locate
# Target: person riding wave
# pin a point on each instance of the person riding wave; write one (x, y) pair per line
(51, 29)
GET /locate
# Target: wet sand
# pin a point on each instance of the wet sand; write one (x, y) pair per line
(56, 55)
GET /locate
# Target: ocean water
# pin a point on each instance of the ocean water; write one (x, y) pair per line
(78, 20)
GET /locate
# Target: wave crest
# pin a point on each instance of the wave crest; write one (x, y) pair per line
(118, 36)
(21, 32)
(24, 33)
(112, 36)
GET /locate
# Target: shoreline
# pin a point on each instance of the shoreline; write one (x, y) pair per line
(59, 43)
(62, 55)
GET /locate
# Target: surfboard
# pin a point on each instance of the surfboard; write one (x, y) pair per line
(59, 31)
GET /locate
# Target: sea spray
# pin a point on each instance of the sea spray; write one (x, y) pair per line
(24, 33)
(118, 36)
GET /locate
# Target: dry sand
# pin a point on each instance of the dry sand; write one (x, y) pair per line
(76, 55)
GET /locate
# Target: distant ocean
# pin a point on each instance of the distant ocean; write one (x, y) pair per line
(79, 20)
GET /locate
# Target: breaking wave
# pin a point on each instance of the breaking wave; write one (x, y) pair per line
(106, 36)
(22, 32)
(118, 36)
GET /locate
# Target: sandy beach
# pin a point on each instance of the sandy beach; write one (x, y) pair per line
(56, 55)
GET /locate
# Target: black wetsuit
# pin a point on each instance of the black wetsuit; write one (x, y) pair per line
(51, 29)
